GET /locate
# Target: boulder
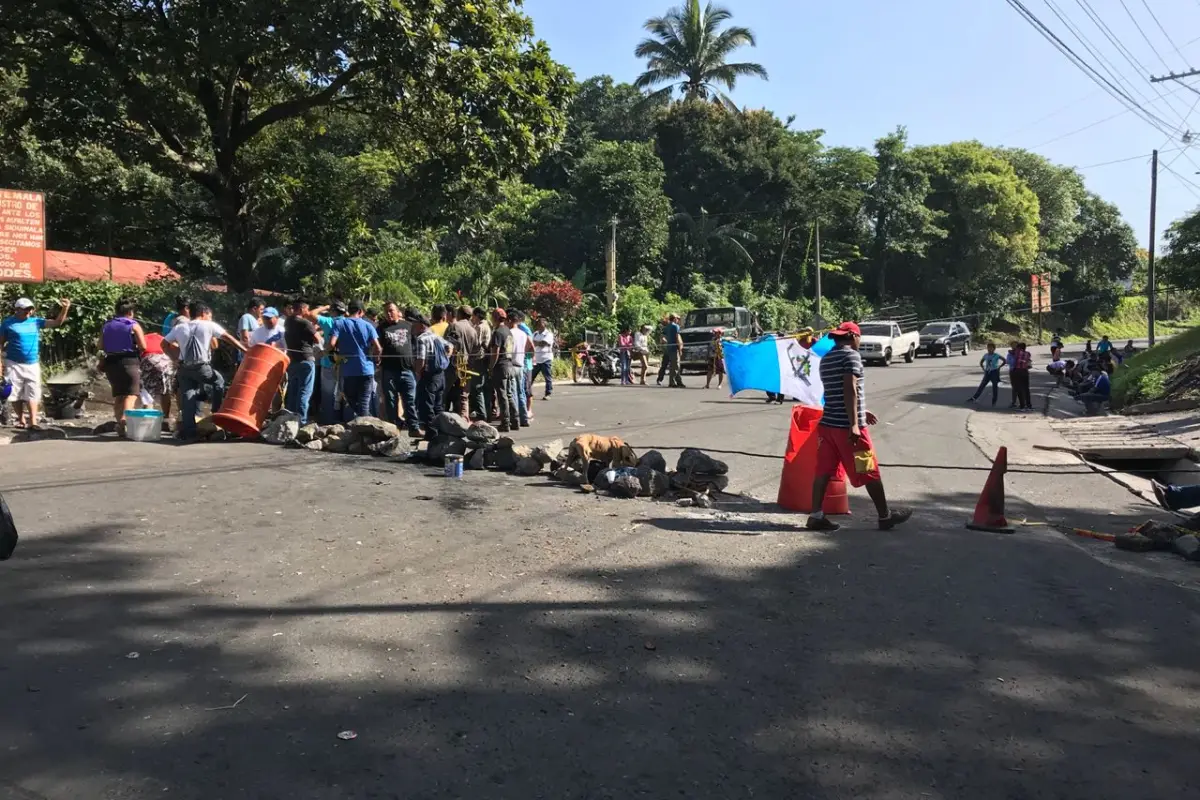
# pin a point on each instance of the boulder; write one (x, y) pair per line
(315, 444)
(625, 486)
(482, 433)
(594, 470)
(474, 459)
(702, 501)
(326, 431)
(654, 482)
(358, 447)
(654, 460)
(548, 452)
(451, 424)
(206, 427)
(218, 436)
(507, 457)
(697, 462)
(699, 483)
(337, 444)
(282, 429)
(308, 433)
(568, 476)
(1187, 546)
(398, 447)
(1133, 542)
(527, 467)
(373, 429)
(604, 479)
(109, 426)
(1160, 533)
(444, 446)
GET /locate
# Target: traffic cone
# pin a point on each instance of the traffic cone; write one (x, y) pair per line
(800, 468)
(989, 511)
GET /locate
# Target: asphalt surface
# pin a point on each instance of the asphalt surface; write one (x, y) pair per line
(505, 638)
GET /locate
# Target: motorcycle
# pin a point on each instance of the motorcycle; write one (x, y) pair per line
(602, 365)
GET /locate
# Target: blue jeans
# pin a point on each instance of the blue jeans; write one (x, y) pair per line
(196, 381)
(329, 392)
(545, 371)
(626, 372)
(504, 384)
(522, 396)
(302, 377)
(358, 389)
(992, 376)
(398, 388)
(1178, 497)
(431, 391)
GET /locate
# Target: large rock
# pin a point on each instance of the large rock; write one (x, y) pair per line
(1134, 542)
(206, 427)
(697, 462)
(358, 447)
(444, 446)
(482, 433)
(699, 483)
(1187, 546)
(507, 457)
(625, 486)
(653, 460)
(373, 429)
(594, 470)
(604, 479)
(1160, 533)
(568, 476)
(451, 424)
(308, 433)
(474, 459)
(282, 429)
(315, 444)
(325, 431)
(654, 482)
(528, 467)
(548, 452)
(398, 447)
(339, 443)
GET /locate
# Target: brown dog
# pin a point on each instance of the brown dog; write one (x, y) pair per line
(609, 450)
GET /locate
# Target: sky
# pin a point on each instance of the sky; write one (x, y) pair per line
(950, 70)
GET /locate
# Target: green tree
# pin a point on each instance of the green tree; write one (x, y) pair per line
(1099, 260)
(900, 222)
(705, 238)
(688, 50)
(1181, 260)
(460, 92)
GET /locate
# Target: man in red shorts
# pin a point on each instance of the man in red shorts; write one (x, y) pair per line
(842, 437)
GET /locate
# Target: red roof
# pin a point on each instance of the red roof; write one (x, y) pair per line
(62, 266)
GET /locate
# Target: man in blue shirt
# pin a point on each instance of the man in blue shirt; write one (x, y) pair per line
(356, 342)
(1098, 394)
(328, 378)
(20, 338)
(672, 350)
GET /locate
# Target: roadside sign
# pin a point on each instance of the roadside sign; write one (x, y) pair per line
(1040, 293)
(22, 236)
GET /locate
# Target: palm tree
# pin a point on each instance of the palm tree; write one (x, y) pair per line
(704, 240)
(687, 50)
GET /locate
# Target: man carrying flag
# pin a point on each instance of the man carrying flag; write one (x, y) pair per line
(842, 436)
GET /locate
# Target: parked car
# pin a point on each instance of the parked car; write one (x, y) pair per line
(883, 340)
(697, 328)
(944, 338)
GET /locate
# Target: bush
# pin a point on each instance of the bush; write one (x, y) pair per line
(781, 315)
(557, 301)
(1143, 378)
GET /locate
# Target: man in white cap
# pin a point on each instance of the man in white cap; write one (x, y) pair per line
(20, 338)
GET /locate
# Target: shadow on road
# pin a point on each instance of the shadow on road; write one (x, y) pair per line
(915, 663)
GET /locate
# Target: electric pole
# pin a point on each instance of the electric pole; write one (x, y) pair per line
(818, 304)
(610, 271)
(1150, 250)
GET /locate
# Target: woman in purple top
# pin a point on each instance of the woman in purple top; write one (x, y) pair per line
(123, 343)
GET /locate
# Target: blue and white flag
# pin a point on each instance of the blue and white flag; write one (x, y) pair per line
(778, 365)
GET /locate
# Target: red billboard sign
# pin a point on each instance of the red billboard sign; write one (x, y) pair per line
(1040, 293)
(22, 236)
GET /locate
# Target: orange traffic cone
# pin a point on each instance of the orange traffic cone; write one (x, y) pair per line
(800, 467)
(989, 511)
(254, 387)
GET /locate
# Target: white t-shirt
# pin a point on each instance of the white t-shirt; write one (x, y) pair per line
(271, 336)
(640, 343)
(520, 343)
(543, 346)
(195, 338)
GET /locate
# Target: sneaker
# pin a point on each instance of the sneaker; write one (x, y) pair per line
(899, 516)
(1160, 493)
(822, 524)
(972, 399)
(524, 424)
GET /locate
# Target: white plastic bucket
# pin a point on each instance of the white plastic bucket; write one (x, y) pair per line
(143, 425)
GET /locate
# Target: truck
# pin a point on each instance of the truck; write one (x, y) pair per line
(884, 340)
(696, 331)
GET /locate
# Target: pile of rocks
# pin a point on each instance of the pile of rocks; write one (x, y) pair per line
(1160, 536)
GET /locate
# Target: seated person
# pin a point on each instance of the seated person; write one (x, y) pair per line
(1097, 393)
(1057, 366)
(1129, 349)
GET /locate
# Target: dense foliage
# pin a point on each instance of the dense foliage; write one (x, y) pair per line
(434, 152)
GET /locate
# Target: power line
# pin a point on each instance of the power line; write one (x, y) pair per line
(1187, 184)
(1154, 17)
(1144, 36)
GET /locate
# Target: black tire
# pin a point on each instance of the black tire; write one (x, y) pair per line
(8, 531)
(946, 350)
(596, 379)
(887, 357)
(966, 351)
(911, 355)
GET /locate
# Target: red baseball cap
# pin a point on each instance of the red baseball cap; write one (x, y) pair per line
(500, 312)
(846, 329)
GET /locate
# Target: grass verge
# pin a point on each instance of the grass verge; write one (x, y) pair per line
(1162, 372)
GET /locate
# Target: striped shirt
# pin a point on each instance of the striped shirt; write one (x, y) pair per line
(837, 363)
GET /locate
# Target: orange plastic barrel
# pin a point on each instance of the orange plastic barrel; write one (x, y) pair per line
(800, 468)
(255, 385)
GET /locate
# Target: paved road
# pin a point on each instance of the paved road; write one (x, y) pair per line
(503, 638)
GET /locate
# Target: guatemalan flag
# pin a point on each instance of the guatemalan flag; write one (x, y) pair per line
(779, 365)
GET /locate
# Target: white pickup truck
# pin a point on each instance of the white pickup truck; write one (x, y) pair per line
(883, 340)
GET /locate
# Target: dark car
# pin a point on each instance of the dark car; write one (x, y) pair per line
(944, 338)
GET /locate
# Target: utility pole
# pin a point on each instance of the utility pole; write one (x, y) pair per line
(818, 303)
(1150, 250)
(610, 271)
